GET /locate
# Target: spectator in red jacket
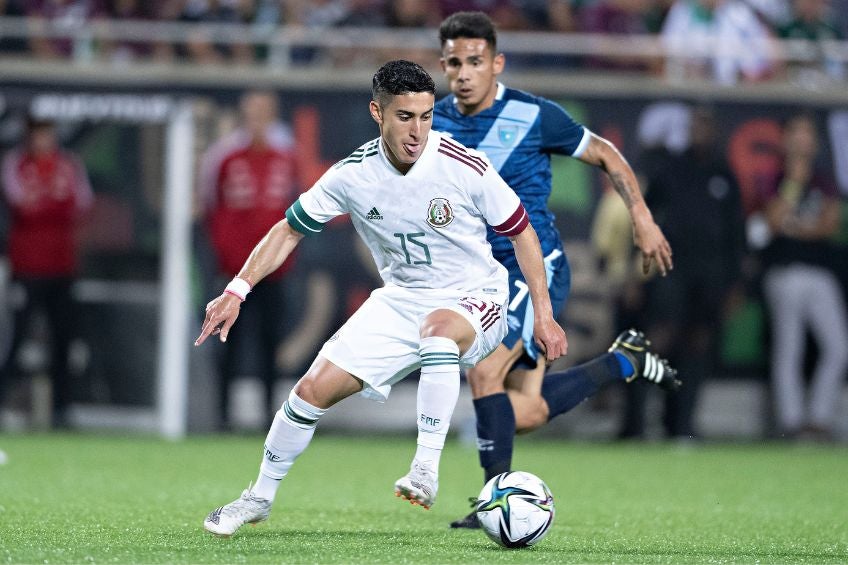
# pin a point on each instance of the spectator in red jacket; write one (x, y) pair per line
(46, 190)
(247, 181)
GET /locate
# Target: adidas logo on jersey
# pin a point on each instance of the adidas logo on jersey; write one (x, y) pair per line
(373, 214)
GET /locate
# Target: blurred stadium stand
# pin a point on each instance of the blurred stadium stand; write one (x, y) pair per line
(114, 86)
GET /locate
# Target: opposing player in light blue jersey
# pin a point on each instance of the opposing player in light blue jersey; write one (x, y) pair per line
(518, 132)
(421, 202)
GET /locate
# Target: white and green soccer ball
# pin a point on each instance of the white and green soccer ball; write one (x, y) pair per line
(516, 509)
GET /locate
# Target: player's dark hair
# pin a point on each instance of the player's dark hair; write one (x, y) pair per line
(400, 77)
(469, 25)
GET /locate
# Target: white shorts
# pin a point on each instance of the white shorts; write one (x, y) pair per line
(379, 343)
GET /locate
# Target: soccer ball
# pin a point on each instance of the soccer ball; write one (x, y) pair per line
(515, 509)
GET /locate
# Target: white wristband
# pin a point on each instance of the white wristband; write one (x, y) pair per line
(239, 288)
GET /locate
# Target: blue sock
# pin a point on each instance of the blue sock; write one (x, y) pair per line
(627, 367)
(495, 433)
(564, 390)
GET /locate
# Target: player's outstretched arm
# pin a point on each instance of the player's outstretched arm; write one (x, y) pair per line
(548, 334)
(647, 235)
(266, 257)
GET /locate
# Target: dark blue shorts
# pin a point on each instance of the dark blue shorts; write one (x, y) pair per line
(520, 309)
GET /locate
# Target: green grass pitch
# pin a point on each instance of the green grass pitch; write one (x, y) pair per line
(107, 499)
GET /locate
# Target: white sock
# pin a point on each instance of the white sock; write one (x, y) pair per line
(438, 391)
(292, 430)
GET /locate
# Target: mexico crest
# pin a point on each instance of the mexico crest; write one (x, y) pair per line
(440, 213)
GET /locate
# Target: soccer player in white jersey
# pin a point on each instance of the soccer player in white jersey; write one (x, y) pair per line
(421, 203)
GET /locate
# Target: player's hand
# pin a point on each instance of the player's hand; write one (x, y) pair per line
(550, 337)
(650, 240)
(221, 314)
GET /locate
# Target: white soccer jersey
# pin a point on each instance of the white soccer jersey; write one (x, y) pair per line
(425, 229)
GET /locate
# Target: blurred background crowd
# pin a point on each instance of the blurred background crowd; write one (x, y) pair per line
(750, 187)
(688, 32)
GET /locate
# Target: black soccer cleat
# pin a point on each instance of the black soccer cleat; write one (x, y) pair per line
(469, 522)
(634, 345)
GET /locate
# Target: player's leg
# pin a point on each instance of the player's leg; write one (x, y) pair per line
(532, 398)
(493, 409)
(528, 398)
(359, 357)
(513, 402)
(496, 419)
(537, 397)
(525, 382)
(628, 358)
(323, 385)
(465, 332)
(499, 414)
(444, 337)
(524, 389)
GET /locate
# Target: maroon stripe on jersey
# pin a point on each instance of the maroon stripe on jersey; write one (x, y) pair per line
(462, 159)
(515, 224)
(460, 149)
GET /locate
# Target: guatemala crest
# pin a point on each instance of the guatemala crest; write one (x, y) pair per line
(440, 213)
(507, 135)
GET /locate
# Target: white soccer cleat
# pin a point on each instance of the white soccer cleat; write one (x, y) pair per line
(247, 509)
(419, 486)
